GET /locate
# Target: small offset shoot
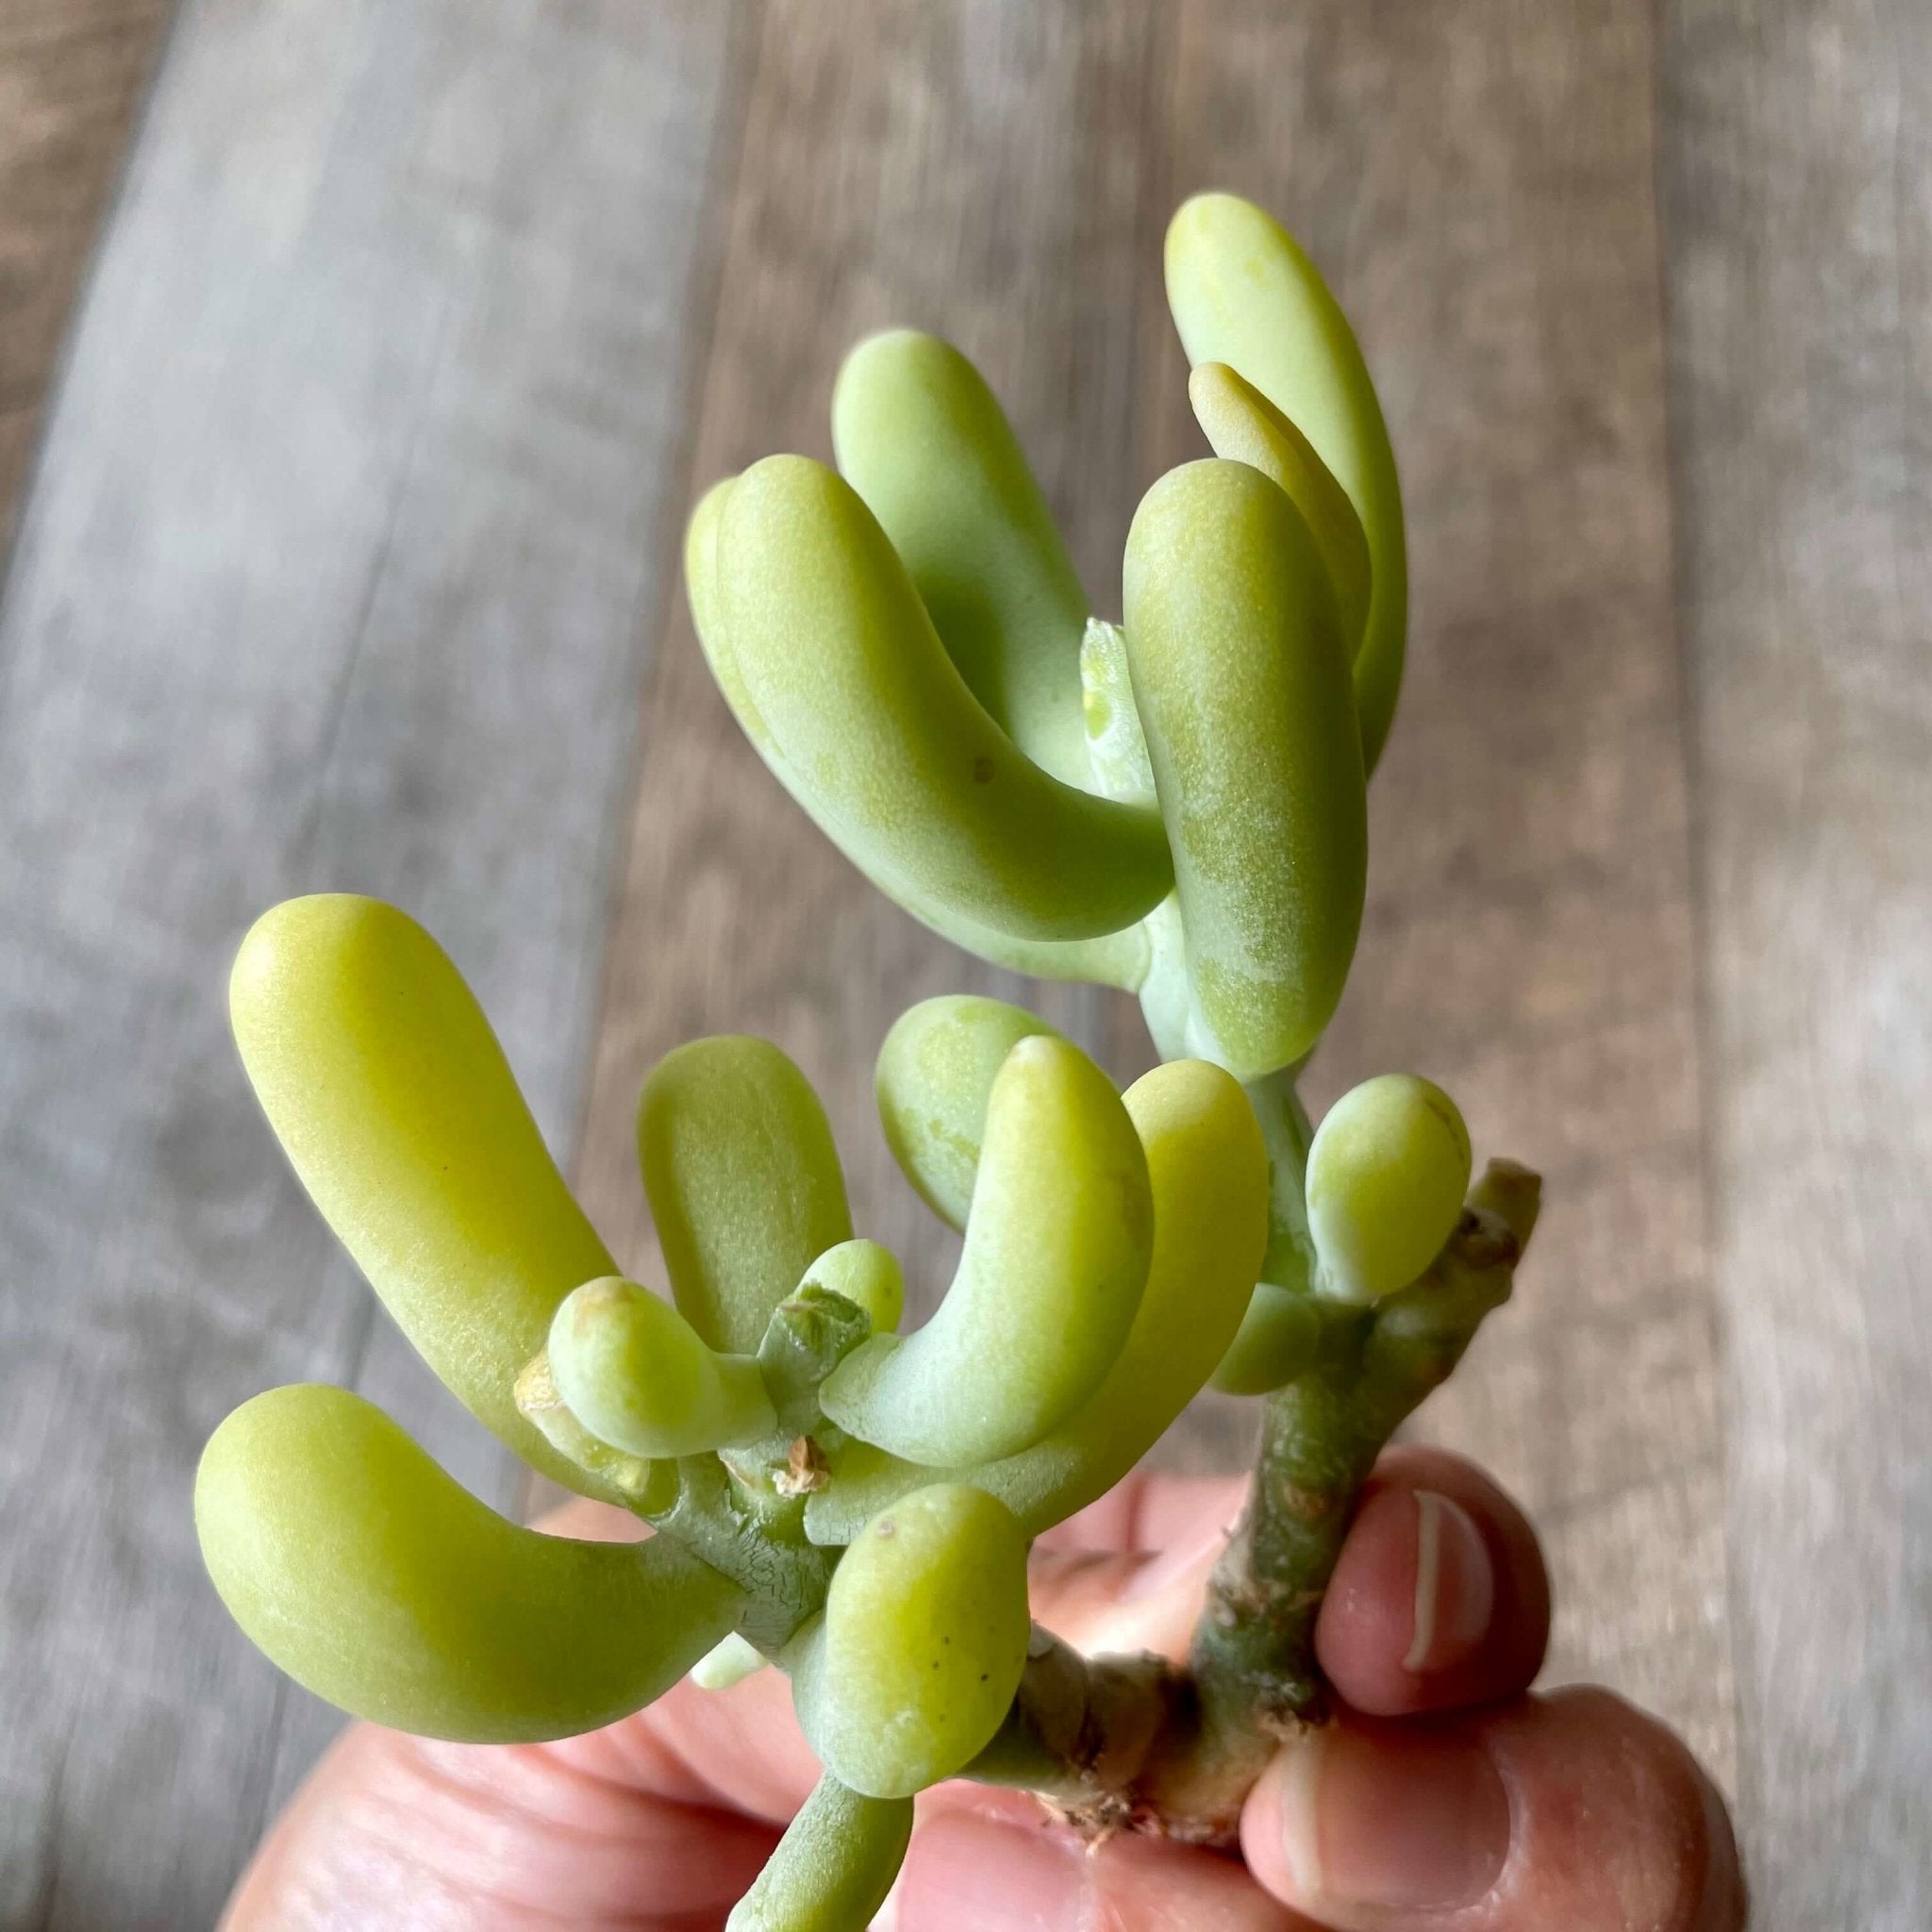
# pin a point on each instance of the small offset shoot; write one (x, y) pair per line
(1171, 801)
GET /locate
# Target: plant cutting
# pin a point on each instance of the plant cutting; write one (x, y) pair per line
(1174, 804)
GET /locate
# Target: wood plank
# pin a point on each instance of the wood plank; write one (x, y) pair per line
(71, 77)
(339, 573)
(1798, 182)
(982, 172)
(1476, 181)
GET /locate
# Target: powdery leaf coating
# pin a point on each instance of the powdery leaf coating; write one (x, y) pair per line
(1243, 292)
(1055, 1260)
(369, 1576)
(850, 697)
(832, 1869)
(1242, 682)
(1387, 1175)
(934, 1077)
(743, 1182)
(394, 1104)
(915, 1662)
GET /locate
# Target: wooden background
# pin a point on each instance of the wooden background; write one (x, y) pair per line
(348, 559)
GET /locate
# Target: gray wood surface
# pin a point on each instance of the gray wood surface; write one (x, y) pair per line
(70, 74)
(1798, 192)
(340, 568)
(351, 561)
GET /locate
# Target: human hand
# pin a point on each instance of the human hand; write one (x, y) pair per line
(1441, 1796)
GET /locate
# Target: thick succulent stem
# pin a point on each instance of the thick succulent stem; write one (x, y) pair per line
(1081, 1732)
(1254, 1656)
(1128, 1741)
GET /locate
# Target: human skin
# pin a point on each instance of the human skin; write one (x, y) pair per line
(1442, 1795)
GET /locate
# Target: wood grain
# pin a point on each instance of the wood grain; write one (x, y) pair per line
(1798, 185)
(338, 573)
(71, 74)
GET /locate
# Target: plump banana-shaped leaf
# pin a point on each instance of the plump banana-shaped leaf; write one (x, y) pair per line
(1208, 1173)
(907, 1675)
(348, 1556)
(1240, 423)
(934, 1077)
(921, 439)
(1243, 292)
(394, 1103)
(1055, 1260)
(867, 1275)
(1116, 959)
(1242, 686)
(823, 647)
(1386, 1173)
(743, 1182)
(639, 1377)
(834, 1866)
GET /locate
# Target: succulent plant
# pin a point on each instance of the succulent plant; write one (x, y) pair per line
(1175, 806)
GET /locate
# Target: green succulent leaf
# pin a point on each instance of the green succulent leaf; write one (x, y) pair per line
(743, 1182)
(1276, 1340)
(1208, 1172)
(906, 1675)
(865, 1274)
(1241, 424)
(398, 1112)
(1055, 1260)
(1244, 293)
(1242, 686)
(834, 1866)
(935, 1078)
(369, 1576)
(639, 1377)
(821, 644)
(1387, 1173)
(923, 440)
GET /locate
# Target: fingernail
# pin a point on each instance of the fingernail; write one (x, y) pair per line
(1419, 1824)
(1454, 1584)
(966, 1873)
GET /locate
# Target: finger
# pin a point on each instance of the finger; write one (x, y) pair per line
(1149, 1513)
(1439, 1599)
(1127, 1573)
(973, 1869)
(391, 1831)
(1573, 1810)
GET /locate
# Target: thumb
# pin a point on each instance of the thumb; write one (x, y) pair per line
(1571, 1809)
